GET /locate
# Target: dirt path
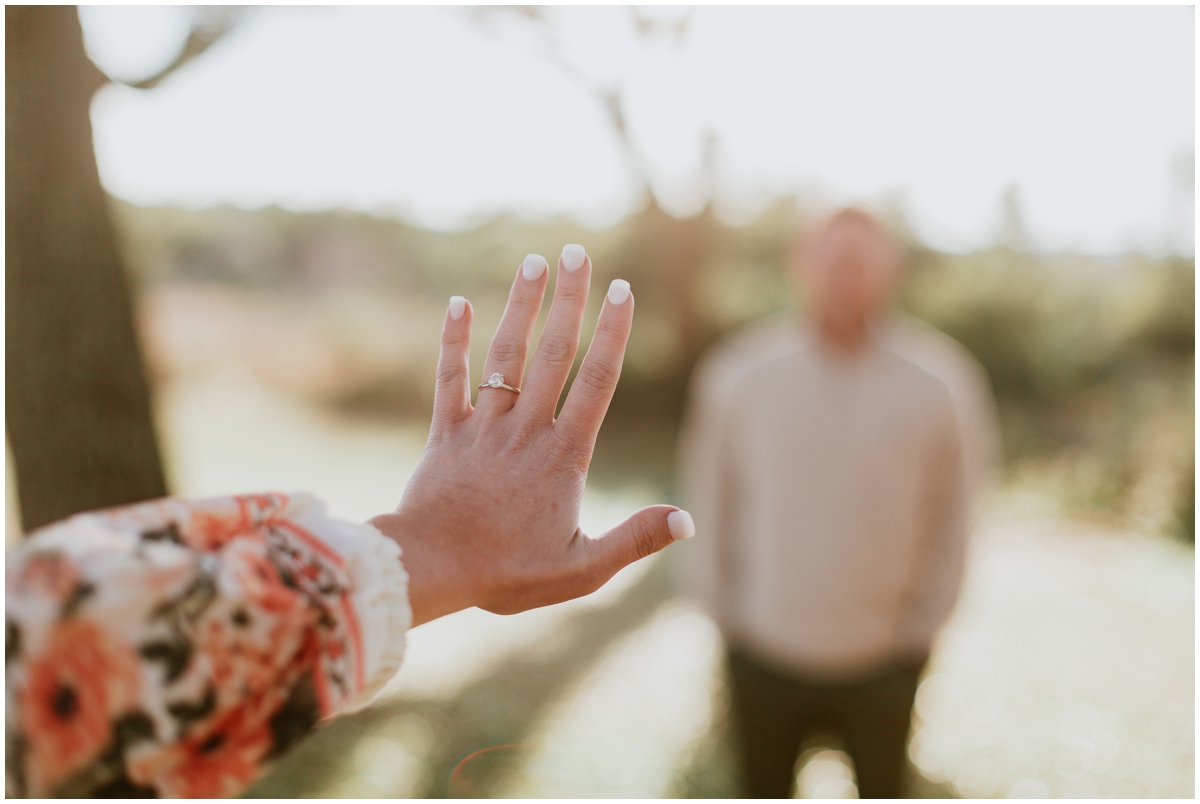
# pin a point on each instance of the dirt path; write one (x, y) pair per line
(1068, 669)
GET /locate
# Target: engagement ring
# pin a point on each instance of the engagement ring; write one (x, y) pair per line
(497, 381)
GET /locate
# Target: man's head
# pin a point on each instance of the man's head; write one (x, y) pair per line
(849, 264)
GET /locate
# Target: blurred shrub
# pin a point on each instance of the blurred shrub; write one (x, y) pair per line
(1091, 358)
(1185, 511)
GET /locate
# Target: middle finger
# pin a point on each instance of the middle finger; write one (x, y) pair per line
(551, 364)
(510, 345)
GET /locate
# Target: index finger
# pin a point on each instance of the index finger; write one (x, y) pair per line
(587, 402)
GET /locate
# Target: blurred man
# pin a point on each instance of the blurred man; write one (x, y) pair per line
(832, 466)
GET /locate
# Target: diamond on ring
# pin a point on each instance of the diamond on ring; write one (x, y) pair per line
(496, 380)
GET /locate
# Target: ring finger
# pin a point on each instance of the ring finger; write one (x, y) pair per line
(510, 345)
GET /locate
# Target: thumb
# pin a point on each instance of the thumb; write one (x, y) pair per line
(646, 532)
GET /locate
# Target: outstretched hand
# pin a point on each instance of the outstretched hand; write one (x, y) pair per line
(490, 518)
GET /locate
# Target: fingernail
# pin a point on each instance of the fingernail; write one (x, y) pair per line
(573, 256)
(533, 266)
(618, 291)
(681, 525)
(458, 306)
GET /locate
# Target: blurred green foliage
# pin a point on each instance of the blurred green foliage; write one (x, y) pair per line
(1091, 358)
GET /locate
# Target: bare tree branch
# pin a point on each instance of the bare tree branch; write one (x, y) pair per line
(649, 26)
(212, 23)
(608, 98)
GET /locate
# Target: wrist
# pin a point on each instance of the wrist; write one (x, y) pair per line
(434, 590)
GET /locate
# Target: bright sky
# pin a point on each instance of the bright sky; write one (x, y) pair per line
(443, 116)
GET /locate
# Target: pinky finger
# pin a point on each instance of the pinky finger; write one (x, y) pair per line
(452, 394)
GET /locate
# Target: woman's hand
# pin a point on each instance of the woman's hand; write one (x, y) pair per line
(491, 516)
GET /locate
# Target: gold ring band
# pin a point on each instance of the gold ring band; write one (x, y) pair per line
(497, 381)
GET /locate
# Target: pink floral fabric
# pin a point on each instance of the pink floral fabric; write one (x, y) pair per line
(173, 648)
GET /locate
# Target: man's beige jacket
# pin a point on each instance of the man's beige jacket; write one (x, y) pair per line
(833, 496)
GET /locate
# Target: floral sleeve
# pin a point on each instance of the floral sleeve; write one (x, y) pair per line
(174, 648)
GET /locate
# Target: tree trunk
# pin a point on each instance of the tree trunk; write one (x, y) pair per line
(77, 406)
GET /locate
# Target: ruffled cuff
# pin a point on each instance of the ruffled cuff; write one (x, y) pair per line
(178, 645)
(380, 588)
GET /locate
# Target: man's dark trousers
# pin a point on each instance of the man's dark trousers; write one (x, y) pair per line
(775, 711)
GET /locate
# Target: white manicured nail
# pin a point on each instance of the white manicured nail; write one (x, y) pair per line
(618, 291)
(573, 257)
(681, 525)
(458, 306)
(534, 266)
